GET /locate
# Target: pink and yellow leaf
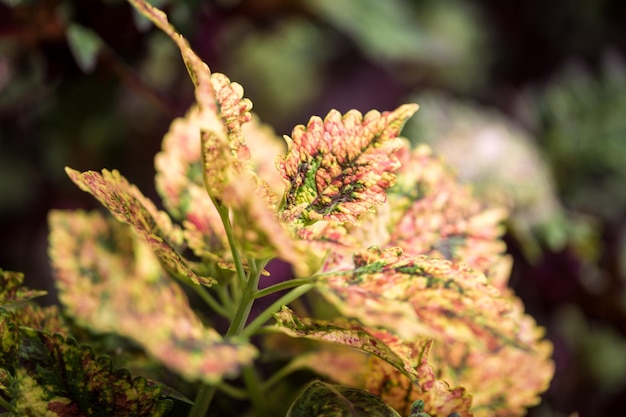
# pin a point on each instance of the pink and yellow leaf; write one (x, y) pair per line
(130, 206)
(339, 168)
(396, 369)
(110, 281)
(419, 296)
(433, 214)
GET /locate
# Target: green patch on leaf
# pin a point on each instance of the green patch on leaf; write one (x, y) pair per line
(339, 167)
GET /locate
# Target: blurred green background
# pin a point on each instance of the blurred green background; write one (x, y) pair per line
(526, 100)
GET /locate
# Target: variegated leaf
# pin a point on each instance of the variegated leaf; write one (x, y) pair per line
(401, 392)
(258, 230)
(397, 367)
(12, 291)
(344, 332)
(180, 183)
(56, 377)
(48, 319)
(420, 296)
(110, 281)
(130, 206)
(505, 382)
(432, 213)
(319, 399)
(222, 111)
(9, 343)
(339, 168)
(265, 147)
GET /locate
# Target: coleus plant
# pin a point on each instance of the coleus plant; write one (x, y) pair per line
(398, 303)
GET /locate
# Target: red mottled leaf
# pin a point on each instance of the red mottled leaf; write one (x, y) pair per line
(129, 206)
(265, 147)
(180, 183)
(415, 296)
(222, 111)
(345, 332)
(12, 291)
(505, 382)
(339, 168)
(432, 213)
(48, 319)
(110, 281)
(419, 296)
(401, 392)
(402, 368)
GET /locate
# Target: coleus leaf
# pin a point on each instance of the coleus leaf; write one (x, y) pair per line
(179, 181)
(225, 165)
(130, 206)
(434, 297)
(259, 233)
(505, 382)
(48, 319)
(265, 146)
(222, 111)
(339, 167)
(54, 376)
(402, 392)
(407, 363)
(432, 213)
(420, 296)
(12, 291)
(321, 399)
(345, 332)
(9, 343)
(110, 281)
(335, 362)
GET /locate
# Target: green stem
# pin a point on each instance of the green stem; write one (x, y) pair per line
(231, 391)
(6, 405)
(277, 377)
(251, 379)
(241, 274)
(203, 400)
(233, 290)
(285, 285)
(206, 392)
(262, 318)
(245, 305)
(210, 301)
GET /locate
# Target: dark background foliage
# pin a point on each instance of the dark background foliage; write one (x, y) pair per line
(85, 83)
